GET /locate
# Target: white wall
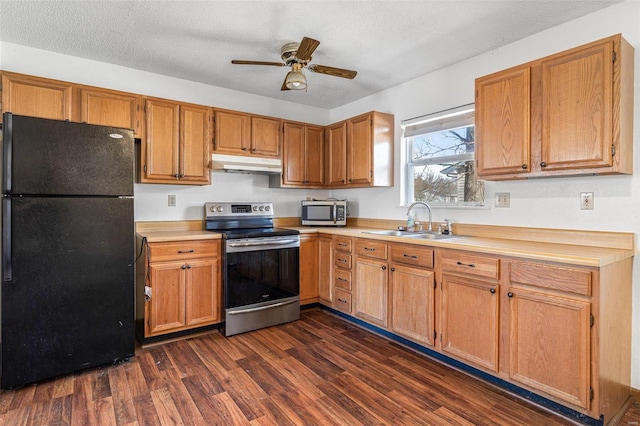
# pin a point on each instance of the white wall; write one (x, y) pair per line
(539, 203)
(552, 203)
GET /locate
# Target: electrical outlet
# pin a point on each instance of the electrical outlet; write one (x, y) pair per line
(503, 199)
(586, 201)
(171, 200)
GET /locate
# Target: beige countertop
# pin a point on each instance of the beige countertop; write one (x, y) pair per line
(585, 248)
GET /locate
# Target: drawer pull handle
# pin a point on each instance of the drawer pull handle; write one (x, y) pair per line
(186, 251)
(342, 260)
(470, 265)
(369, 249)
(342, 301)
(492, 291)
(342, 244)
(342, 279)
(412, 256)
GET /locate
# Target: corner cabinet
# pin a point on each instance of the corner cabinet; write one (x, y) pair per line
(303, 155)
(360, 151)
(566, 114)
(180, 288)
(176, 147)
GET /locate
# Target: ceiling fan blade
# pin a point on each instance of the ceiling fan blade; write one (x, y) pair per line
(239, 62)
(284, 86)
(336, 72)
(306, 49)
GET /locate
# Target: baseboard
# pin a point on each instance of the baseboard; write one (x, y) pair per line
(635, 394)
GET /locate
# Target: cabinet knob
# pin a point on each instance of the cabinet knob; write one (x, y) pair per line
(253, 150)
(184, 266)
(543, 164)
(510, 294)
(393, 269)
(492, 291)
(384, 267)
(524, 167)
(343, 181)
(244, 149)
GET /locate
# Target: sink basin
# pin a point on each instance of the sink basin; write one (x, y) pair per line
(421, 235)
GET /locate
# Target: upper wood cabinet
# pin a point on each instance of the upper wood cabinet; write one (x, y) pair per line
(360, 151)
(302, 155)
(244, 134)
(37, 97)
(176, 147)
(567, 114)
(111, 108)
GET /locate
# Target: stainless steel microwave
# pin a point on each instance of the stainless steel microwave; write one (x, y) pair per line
(324, 213)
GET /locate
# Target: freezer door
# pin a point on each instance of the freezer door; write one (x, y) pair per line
(70, 302)
(52, 157)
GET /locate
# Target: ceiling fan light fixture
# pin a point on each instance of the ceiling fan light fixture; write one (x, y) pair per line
(295, 78)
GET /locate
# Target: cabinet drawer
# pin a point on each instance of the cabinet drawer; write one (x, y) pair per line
(343, 301)
(342, 244)
(465, 263)
(554, 277)
(342, 260)
(370, 248)
(343, 278)
(412, 255)
(179, 250)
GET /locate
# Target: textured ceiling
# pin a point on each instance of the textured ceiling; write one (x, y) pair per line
(387, 42)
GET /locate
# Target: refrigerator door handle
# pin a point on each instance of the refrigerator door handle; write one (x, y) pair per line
(6, 239)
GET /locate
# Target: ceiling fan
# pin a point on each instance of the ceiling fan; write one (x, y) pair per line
(297, 56)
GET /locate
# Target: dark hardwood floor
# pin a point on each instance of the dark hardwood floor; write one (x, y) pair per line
(320, 370)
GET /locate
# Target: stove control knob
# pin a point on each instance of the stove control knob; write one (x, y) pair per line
(267, 208)
(255, 208)
(261, 208)
(212, 209)
(219, 209)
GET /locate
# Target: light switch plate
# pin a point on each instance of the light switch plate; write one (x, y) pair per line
(586, 201)
(503, 199)
(171, 200)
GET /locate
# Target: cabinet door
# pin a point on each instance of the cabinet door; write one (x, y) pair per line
(107, 108)
(325, 276)
(194, 144)
(308, 269)
(359, 152)
(412, 303)
(232, 132)
(293, 157)
(36, 97)
(314, 156)
(336, 149)
(165, 311)
(160, 148)
(265, 136)
(503, 120)
(371, 289)
(202, 292)
(550, 344)
(577, 110)
(470, 320)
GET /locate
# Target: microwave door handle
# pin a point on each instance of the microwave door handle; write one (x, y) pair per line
(335, 213)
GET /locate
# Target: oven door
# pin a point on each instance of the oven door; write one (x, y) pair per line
(261, 282)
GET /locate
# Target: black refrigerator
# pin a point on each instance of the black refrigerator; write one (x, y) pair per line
(67, 291)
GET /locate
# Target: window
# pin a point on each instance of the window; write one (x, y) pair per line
(440, 166)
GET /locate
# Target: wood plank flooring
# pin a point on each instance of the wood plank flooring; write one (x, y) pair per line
(320, 370)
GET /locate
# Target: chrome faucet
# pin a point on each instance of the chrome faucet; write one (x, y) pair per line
(430, 228)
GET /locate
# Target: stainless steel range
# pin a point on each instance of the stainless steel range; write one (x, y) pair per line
(261, 266)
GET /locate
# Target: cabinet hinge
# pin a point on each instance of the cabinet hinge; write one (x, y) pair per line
(435, 335)
(614, 56)
(591, 393)
(591, 320)
(435, 284)
(371, 173)
(613, 150)
(145, 168)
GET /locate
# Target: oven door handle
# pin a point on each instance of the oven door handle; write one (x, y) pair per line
(262, 243)
(261, 308)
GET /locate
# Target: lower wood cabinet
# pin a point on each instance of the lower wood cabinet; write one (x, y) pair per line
(372, 282)
(325, 268)
(308, 269)
(180, 288)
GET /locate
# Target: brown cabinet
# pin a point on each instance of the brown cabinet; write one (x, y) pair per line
(412, 293)
(183, 290)
(308, 269)
(371, 287)
(111, 108)
(360, 151)
(303, 155)
(550, 330)
(176, 147)
(342, 273)
(325, 270)
(37, 97)
(566, 114)
(469, 308)
(238, 133)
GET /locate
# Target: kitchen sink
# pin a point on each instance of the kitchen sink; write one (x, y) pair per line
(419, 235)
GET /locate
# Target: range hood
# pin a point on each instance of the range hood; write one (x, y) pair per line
(245, 164)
